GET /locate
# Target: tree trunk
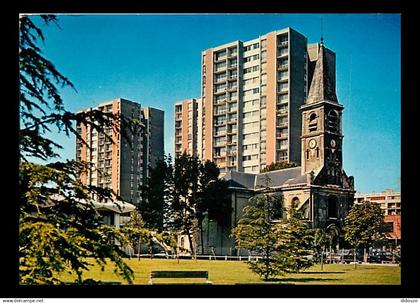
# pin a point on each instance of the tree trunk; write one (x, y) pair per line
(330, 255)
(322, 258)
(191, 244)
(201, 236)
(139, 249)
(354, 257)
(364, 254)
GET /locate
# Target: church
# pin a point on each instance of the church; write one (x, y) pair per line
(319, 187)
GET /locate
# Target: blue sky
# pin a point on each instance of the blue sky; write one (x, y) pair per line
(155, 60)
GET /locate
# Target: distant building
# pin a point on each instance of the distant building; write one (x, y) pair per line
(186, 132)
(120, 166)
(390, 202)
(153, 142)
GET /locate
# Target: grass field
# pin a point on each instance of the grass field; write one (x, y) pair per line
(235, 272)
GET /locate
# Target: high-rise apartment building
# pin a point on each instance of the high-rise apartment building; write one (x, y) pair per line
(186, 120)
(119, 165)
(153, 145)
(251, 94)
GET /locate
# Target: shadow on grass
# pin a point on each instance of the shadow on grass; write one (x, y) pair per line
(321, 272)
(303, 280)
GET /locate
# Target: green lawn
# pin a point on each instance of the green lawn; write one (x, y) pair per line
(233, 272)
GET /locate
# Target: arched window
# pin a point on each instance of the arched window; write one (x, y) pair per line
(295, 202)
(332, 120)
(313, 122)
(332, 207)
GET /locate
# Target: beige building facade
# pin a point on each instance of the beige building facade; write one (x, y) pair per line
(186, 132)
(118, 165)
(251, 94)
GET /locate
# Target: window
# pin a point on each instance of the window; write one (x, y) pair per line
(220, 65)
(283, 74)
(313, 122)
(282, 87)
(263, 55)
(220, 55)
(264, 79)
(263, 43)
(332, 207)
(255, 46)
(333, 120)
(263, 89)
(220, 76)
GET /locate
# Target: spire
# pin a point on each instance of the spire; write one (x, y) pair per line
(322, 86)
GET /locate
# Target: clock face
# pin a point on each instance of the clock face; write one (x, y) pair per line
(312, 143)
(333, 143)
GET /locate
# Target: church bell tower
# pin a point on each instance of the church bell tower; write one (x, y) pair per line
(322, 121)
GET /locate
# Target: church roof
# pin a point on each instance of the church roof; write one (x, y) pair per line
(283, 177)
(240, 179)
(322, 87)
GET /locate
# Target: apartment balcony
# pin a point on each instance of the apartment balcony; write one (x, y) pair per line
(282, 55)
(219, 113)
(220, 69)
(282, 148)
(220, 134)
(220, 80)
(283, 124)
(232, 88)
(219, 156)
(233, 110)
(233, 78)
(219, 144)
(281, 136)
(282, 44)
(220, 102)
(232, 121)
(231, 142)
(219, 91)
(283, 91)
(220, 59)
(282, 112)
(233, 66)
(232, 153)
(283, 80)
(232, 100)
(231, 164)
(283, 67)
(220, 123)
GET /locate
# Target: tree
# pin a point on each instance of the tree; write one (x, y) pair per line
(135, 231)
(258, 232)
(321, 239)
(58, 224)
(152, 205)
(182, 211)
(298, 240)
(213, 198)
(363, 226)
(277, 166)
